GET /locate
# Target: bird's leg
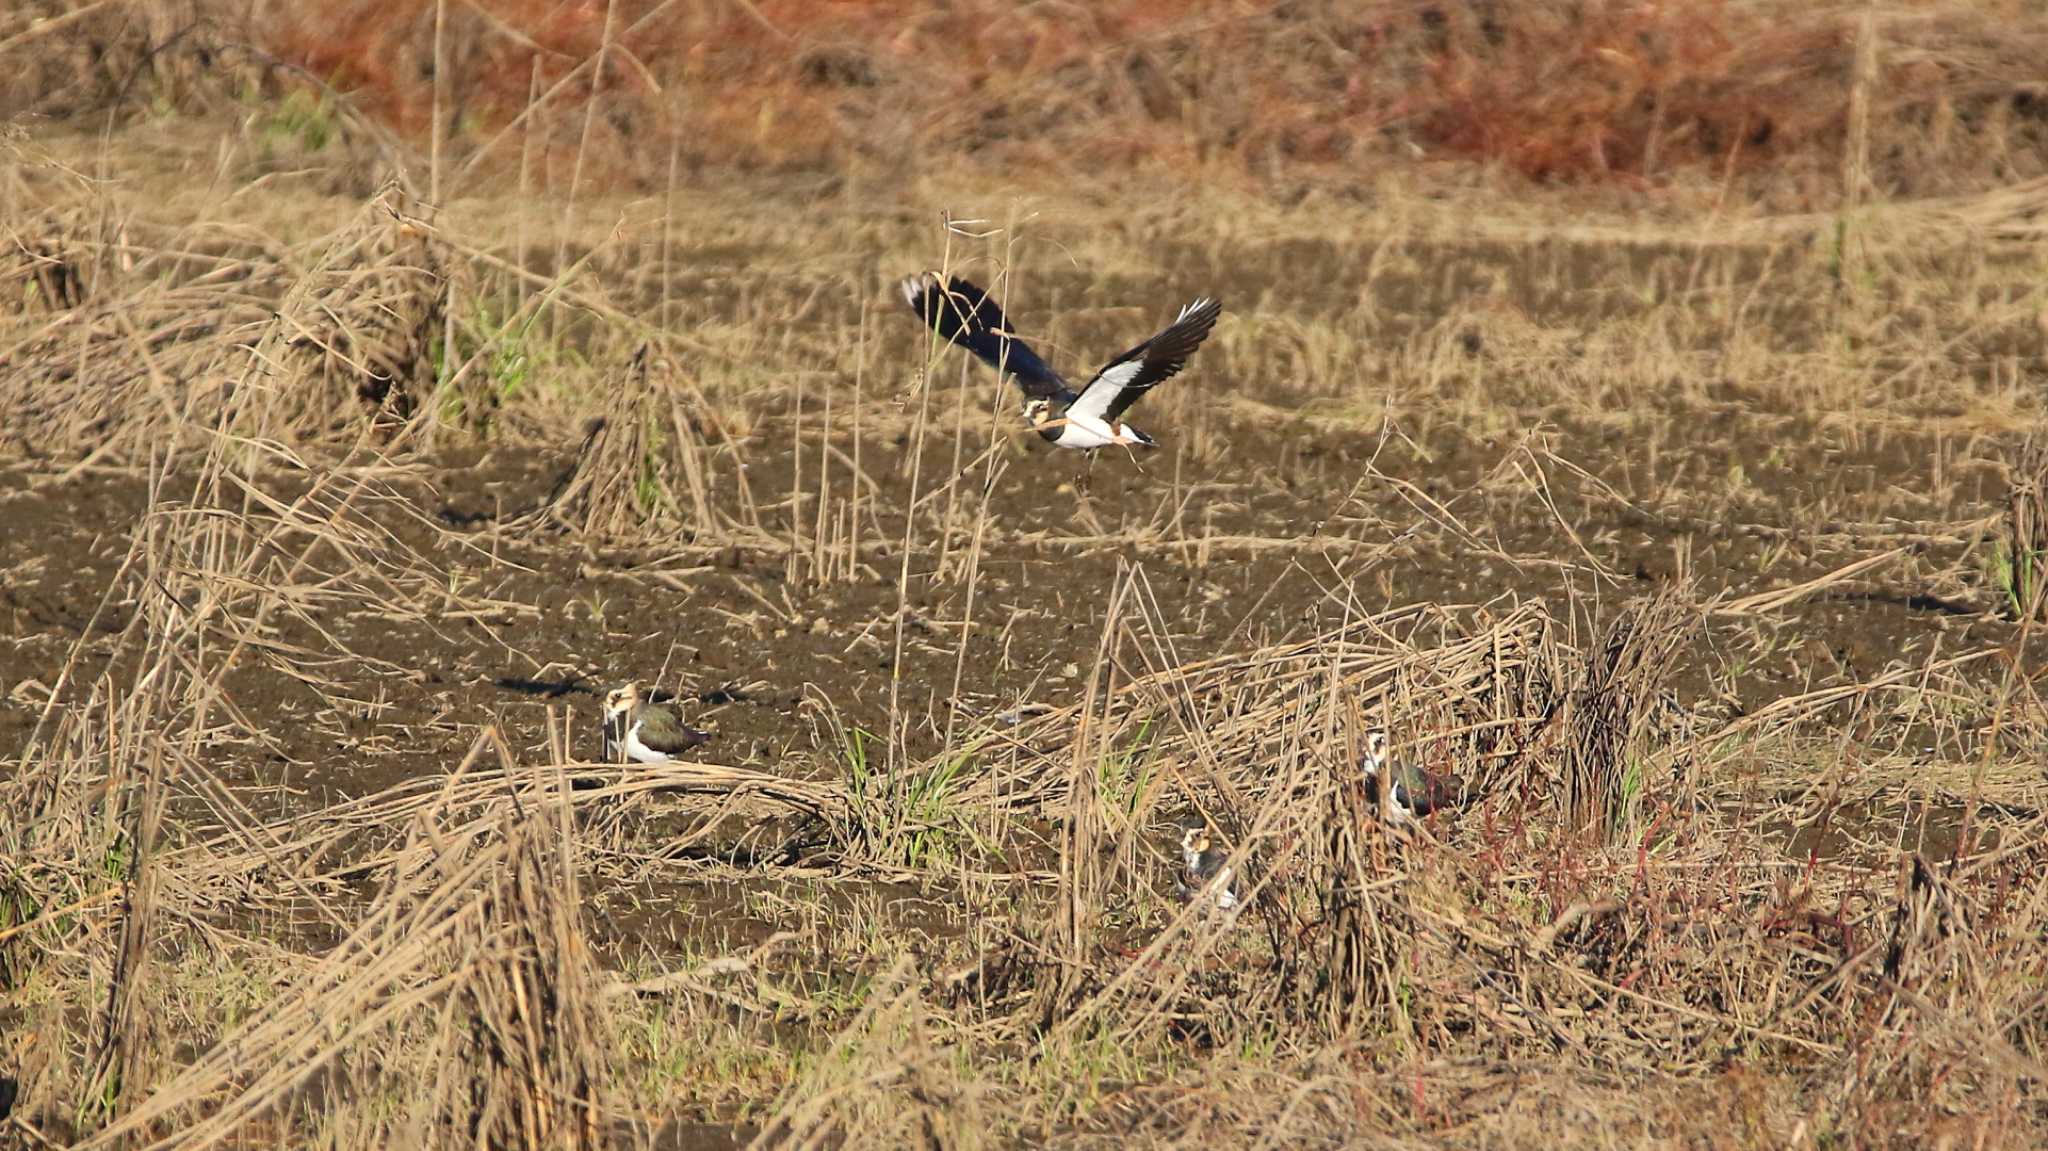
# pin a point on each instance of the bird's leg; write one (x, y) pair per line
(1084, 507)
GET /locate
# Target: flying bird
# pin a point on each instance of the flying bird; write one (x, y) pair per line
(1412, 791)
(1085, 420)
(644, 732)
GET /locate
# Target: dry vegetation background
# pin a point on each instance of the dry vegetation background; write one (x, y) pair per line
(1636, 407)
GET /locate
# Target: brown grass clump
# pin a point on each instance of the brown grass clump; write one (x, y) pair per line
(2021, 563)
(1610, 738)
(240, 341)
(644, 468)
(119, 373)
(524, 1051)
(364, 329)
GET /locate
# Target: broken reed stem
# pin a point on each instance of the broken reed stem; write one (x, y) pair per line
(597, 65)
(793, 561)
(860, 364)
(1863, 82)
(668, 222)
(821, 523)
(127, 1037)
(943, 567)
(437, 135)
(992, 472)
(517, 285)
(898, 726)
(1080, 892)
(2025, 562)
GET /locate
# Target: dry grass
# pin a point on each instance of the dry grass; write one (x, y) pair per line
(646, 470)
(1679, 540)
(2022, 559)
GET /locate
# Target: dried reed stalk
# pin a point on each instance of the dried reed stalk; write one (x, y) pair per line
(525, 1052)
(2025, 547)
(1361, 970)
(129, 1036)
(1082, 838)
(643, 470)
(1607, 743)
(362, 327)
(1863, 81)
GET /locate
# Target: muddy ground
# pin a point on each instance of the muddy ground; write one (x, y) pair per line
(1393, 412)
(1293, 528)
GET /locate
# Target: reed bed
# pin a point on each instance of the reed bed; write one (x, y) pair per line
(648, 469)
(1725, 876)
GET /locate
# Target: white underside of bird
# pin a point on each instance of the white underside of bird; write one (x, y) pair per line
(1085, 432)
(1081, 421)
(1216, 887)
(639, 752)
(1395, 812)
(1220, 888)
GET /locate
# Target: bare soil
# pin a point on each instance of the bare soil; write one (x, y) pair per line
(966, 689)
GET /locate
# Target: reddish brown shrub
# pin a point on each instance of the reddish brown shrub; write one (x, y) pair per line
(1554, 89)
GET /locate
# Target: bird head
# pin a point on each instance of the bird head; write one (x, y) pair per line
(622, 699)
(1375, 749)
(1195, 840)
(1037, 412)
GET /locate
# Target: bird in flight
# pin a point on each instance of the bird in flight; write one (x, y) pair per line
(1085, 420)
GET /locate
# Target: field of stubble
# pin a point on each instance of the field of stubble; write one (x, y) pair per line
(1712, 555)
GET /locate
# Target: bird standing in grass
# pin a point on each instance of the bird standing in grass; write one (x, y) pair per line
(644, 732)
(1412, 790)
(1203, 871)
(1084, 420)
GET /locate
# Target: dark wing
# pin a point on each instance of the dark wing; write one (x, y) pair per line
(968, 316)
(660, 732)
(1427, 791)
(1122, 380)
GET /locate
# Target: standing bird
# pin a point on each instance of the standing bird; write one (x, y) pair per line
(644, 732)
(1084, 420)
(1203, 871)
(1412, 791)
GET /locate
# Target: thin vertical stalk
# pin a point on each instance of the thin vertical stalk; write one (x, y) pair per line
(438, 138)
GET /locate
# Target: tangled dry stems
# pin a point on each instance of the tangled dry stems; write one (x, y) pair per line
(1601, 912)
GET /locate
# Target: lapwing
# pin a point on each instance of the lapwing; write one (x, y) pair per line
(644, 732)
(1412, 791)
(1084, 420)
(1204, 874)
